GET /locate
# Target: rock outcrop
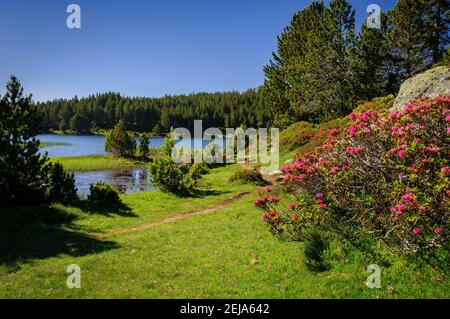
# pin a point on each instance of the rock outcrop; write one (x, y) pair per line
(431, 83)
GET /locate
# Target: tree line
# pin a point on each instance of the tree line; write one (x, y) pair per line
(158, 115)
(323, 66)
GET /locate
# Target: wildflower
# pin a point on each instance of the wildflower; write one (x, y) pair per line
(432, 150)
(334, 170)
(258, 192)
(416, 230)
(274, 199)
(445, 170)
(323, 206)
(402, 154)
(344, 167)
(438, 231)
(422, 209)
(258, 201)
(292, 206)
(319, 195)
(268, 189)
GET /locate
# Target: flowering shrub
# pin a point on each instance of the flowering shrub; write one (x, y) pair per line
(386, 176)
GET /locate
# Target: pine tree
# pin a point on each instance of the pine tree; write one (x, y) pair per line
(144, 143)
(313, 75)
(80, 124)
(406, 38)
(436, 17)
(165, 119)
(119, 142)
(24, 172)
(376, 68)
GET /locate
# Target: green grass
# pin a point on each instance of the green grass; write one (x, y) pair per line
(227, 254)
(94, 163)
(49, 144)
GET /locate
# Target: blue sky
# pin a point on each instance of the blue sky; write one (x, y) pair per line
(143, 47)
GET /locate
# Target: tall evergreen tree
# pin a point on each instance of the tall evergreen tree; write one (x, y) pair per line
(406, 37)
(377, 75)
(436, 17)
(313, 74)
(23, 170)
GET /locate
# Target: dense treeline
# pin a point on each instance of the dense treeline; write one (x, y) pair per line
(322, 67)
(103, 111)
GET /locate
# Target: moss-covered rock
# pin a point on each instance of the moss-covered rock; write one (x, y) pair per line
(431, 83)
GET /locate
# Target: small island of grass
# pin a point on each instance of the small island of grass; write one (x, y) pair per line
(50, 144)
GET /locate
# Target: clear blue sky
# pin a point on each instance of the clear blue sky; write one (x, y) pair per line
(143, 47)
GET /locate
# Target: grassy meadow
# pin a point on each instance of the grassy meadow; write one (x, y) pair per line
(137, 250)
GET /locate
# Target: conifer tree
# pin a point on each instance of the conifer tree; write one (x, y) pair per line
(23, 170)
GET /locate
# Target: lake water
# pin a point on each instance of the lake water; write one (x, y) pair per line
(81, 145)
(130, 180)
(127, 181)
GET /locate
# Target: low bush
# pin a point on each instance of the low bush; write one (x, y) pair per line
(61, 185)
(250, 176)
(385, 177)
(180, 179)
(297, 135)
(103, 193)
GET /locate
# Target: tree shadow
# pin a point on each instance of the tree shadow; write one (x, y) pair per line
(43, 232)
(105, 210)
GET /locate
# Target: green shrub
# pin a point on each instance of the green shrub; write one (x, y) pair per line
(103, 193)
(297, 135)
(61, 185)
(144, 143)
(119, 142)
(251, 176)
(180, 179)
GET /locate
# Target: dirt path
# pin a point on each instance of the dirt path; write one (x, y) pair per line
(172, 219)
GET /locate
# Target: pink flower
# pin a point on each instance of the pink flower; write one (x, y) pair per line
(334, 170)
(292, 206)
(352, 130)
(344, 167)
(274, 199)
(258, 201)
(323, 206)
(422, 209)
(354, 150)
(264, 217)
(402, 154)
(319, 195)
(445, 170)
(268, 189)
(432, 150)
(416, 231)
(447, 119)
(438, 231)
(438, 100)
(258, 191)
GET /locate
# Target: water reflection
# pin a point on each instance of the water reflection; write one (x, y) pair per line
(127, 181)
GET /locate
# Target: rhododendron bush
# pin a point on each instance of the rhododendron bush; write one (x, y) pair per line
(386, 176)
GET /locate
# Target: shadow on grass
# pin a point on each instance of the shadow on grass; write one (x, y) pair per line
(106, 210)
(43, 232)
